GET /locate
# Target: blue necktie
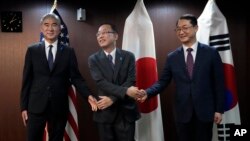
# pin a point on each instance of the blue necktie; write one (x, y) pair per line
(111, 61)
(50, 57)
(190, 62)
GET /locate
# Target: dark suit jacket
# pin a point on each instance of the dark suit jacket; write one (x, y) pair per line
(41, 85)
(114, 85)
(206, 88)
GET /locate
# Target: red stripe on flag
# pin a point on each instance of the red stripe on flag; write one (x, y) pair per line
(66, 136)
(146, 75)
(45, 133)
(72, 95)
(73, 125)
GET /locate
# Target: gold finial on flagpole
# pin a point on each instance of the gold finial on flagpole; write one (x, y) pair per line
(54, 6)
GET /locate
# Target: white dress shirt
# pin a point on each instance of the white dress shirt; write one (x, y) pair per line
(54, 49)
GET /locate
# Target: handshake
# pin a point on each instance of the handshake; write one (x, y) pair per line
(138, 95)
(105, 101)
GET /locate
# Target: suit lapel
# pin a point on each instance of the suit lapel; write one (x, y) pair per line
(58, 55)
(182, 62)
(104, 62)
(44, 60)
(118, 62)
(198, 59)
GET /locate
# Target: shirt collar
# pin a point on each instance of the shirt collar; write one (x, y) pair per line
(112, 53)
(194, 47)
(53, 44)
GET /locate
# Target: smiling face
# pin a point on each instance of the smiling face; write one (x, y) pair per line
(50, 27)
(186, 32)
(106, 37)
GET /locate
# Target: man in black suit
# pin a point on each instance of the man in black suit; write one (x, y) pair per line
(50, 69)
(197, 71)
(113, 70)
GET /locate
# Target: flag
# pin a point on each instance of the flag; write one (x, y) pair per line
(71, 132)
(213, 31)
(138, 37)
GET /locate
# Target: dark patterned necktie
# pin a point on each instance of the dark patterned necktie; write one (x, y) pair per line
(111, 61)
(50, 57)
(190, 62)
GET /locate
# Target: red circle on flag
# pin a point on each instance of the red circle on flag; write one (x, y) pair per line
(146, 75)
(231, 95)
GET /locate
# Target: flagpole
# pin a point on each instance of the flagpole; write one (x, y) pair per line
(54, 6)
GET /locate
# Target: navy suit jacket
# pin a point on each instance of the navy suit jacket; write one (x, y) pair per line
(114, 84)
(204, 91)
(40, 85)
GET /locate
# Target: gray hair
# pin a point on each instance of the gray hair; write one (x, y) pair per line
(50, 15)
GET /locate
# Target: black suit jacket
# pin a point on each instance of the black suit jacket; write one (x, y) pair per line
(40, 85)
(114, 84)
(206, 88)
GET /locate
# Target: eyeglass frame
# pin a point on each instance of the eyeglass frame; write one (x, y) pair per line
(184, 29)
(104, 33)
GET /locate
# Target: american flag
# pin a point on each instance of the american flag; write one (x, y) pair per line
(71, 130)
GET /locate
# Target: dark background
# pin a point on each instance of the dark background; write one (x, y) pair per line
(163, 13)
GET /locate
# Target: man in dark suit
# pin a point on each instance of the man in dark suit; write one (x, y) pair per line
(113, 70)
(50, 69)
(197, 71)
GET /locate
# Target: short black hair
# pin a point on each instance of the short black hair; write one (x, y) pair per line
(190, 17)
(113, 27)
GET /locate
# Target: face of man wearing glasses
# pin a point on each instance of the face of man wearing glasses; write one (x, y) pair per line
(106, 37)
(186, 32)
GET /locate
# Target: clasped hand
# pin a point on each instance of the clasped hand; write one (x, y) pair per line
(105, 102)
(139, 95)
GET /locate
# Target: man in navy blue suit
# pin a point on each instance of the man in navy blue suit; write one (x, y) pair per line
(197, 71)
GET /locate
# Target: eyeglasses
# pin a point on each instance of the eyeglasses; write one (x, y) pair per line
(104, 33)
(184, 29)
